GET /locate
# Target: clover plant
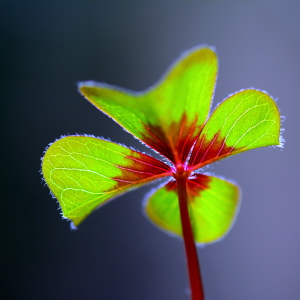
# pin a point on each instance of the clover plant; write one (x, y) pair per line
(172, 118)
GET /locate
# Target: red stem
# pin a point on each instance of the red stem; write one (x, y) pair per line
(190, 248)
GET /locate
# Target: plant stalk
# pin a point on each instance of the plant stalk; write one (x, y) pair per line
(197, 292)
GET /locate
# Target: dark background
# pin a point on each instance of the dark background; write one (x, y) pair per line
(46, 47)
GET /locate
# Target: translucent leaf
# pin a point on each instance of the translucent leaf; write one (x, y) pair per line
(213, 204)
(246, 120)
(169, 116)
(85, 172)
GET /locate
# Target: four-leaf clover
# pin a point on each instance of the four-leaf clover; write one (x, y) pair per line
(172, 118)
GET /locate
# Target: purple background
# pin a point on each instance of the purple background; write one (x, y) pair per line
(116, 253)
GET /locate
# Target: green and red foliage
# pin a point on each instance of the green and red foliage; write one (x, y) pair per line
(173, 119)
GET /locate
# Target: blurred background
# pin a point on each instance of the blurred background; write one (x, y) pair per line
(46, 48)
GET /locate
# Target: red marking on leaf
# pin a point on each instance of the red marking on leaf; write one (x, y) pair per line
(206, 151)
(158, 141)
(170, 186)
(141, 168)
(175, 143)
(195, 185)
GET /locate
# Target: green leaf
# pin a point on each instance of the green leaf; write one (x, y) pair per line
(85, 172)
(169, 116)
(246, 120)
(213, 204)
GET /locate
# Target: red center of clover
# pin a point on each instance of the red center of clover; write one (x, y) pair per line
(181, 171)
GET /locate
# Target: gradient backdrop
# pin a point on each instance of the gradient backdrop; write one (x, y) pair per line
(48, 46)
